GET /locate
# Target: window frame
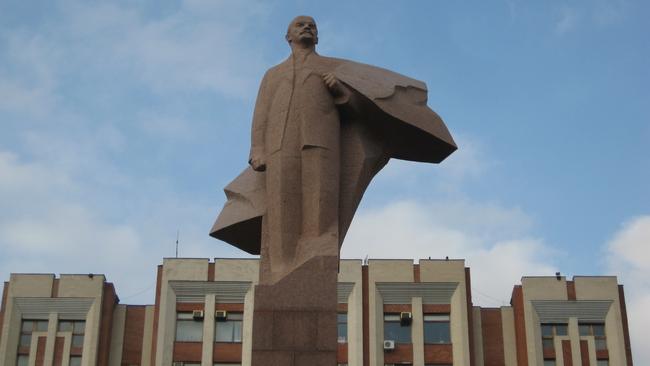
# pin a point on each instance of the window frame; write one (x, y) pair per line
(436, 318)
(339, 323)
(238, 321)
(187, 317)
(598, 339)
(554, 333)
(395, 319)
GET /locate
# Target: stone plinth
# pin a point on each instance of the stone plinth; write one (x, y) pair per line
(294, 320)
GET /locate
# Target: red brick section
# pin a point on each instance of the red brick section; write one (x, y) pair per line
(397, 308)
(55, 288)
(571, 290)
(5, 289)
(436, 308)
(40, 351)
(58, 351)
(190, 306)
(403, 353)
(366, 320)
(109, 301)
(416, 273)
(517, 303)
(342, 353)
(342, 308)
(187, 351)
(239, 308)
(133, 334)
(584, 353)
(548, 353)
(156, 313)
(438, 354)
(210, 272)
(626, 330)
(566, 353)
(470, 317)
(227, 353)
(492, 332)
(602, 354)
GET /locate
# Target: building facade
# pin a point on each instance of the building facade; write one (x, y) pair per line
(391, 312)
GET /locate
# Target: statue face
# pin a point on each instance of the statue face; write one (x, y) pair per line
(302, 29)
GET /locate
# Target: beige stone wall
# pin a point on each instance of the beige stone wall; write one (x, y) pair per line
(174, 269)
(509, 343)
(605, 288)
(382, 271)
(452, 271)
(350, 271)
(539, 288)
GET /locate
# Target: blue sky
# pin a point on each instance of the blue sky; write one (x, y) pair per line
(122, 121)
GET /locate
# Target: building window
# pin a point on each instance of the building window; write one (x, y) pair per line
(75, 360)
(77, 328)
(188, 328)
(27, 328)
(230, 329)
(227, 364)
(436, 329)
(549, 362)
(597, 331)
(342, 327)
(602, 363)
(394, 330)
(550, 331)
(22, 360)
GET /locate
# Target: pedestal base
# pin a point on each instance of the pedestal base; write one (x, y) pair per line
(294, 320)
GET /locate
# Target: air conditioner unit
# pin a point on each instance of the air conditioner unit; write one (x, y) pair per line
(405, 318)
(389, 345)
(221, 315)
(197, 314)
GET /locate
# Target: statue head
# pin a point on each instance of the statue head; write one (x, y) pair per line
(302, 30)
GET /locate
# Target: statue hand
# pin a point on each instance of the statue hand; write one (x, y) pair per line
(333, 84)
(258, 163)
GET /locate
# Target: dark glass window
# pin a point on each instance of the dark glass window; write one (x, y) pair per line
(188, 329)
(549, 332)
(29, 326)
(596, 330)
(229, 330)
(78, 329)
(75, 360)
(436, 329)
(342, 327)
(395, 331)
(22, 360)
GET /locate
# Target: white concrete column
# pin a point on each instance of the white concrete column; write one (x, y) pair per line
(417, 331)
(247, 331)
(574, 336)
(117, 336)
(509, 342)
(52, 324)
(147, 336)
(208, 330)
(478, 336)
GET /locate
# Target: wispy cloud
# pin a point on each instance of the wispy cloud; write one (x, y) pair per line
(495, 241)
(567, 20)
(629, 258)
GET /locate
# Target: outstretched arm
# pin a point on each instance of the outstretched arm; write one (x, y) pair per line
(257, 158)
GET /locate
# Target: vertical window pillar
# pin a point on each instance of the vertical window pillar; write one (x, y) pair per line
(417, 331)
(574, 336)
(51, 339)
(208, 330)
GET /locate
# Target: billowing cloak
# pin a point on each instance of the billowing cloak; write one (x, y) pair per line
(395, 123)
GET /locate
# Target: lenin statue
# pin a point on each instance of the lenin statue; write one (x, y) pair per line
(322, 129)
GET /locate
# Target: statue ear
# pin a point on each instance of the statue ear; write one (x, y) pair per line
(286, 36)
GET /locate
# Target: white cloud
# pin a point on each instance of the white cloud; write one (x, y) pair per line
(492, 239)
(568, 19)
(629, 258)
